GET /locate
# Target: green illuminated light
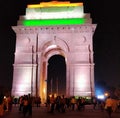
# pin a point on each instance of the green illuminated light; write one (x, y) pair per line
(53, 22)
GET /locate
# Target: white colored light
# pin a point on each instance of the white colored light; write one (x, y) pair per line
(51, 47)
(76, 12)
(24, 83)
(100, 96)
(54, 15)
(81, 81)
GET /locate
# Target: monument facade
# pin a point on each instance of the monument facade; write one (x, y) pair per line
(47, 29)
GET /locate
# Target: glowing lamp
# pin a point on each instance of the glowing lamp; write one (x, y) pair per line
(100, 97)
(106, 94)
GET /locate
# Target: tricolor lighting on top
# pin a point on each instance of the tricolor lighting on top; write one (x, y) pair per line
(54, 13)
(54, 4)
(53, 22)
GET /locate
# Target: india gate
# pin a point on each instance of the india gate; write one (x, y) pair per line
(48, 29)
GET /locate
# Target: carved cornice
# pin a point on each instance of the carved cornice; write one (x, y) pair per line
(55, 29)
(24, 65)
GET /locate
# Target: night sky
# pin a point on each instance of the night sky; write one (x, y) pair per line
(106, 39)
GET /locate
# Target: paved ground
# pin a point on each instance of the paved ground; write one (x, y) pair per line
(42, 113)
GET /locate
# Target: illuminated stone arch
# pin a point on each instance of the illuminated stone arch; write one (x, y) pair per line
(49, 49)
(39, 39)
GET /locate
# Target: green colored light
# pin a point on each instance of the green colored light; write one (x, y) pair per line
(53, 22)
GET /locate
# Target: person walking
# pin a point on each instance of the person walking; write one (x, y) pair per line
(94, 103)
(108, 106)
(73, 102)
(10, 102)
(30, 101)
(48, 103)
(25, 105)
(62, 104)
(52, 102)
(1, 105)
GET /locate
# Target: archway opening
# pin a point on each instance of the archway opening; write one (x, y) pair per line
(56, 75)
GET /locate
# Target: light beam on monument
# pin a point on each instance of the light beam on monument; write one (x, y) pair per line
(24, 83)
(81, 81)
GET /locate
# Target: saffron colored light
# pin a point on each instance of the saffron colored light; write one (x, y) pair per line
(53, 22)
(54, 4)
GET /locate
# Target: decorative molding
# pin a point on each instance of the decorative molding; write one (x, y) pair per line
(54, 29)
(24, 65)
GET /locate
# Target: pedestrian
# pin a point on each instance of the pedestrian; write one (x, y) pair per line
(21, 103)
(25, 105)
(62, 104)
(52, 102)
(58, 103)
(30, 100)
(10, 101)
(38, 101)
(102, 105)
(108, 106)
(79, 103)
(94, 103)
(73, 102)
(48, 103)
(1, 105)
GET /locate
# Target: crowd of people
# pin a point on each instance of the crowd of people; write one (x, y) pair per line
(24, 102)
(60, 103)
(52, 104)
(5, 104)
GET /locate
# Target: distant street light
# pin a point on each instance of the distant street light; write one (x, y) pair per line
(106, 94)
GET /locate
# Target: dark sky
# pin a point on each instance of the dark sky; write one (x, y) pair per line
(106, 39)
